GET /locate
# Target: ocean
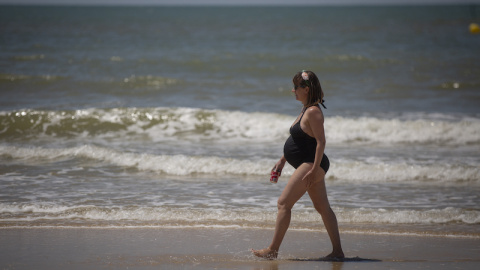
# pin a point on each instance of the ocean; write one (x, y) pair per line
(172, 117)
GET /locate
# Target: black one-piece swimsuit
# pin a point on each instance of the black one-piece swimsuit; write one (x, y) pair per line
(301, 147)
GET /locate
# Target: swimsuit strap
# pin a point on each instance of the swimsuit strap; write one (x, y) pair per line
(303, 113)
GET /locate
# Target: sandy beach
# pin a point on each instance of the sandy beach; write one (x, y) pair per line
(209, 248)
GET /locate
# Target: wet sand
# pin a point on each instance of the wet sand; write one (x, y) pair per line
(213, 248)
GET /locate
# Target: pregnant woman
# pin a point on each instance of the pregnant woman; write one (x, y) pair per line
(304, 150)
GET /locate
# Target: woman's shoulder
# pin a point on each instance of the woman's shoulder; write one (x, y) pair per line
(314, 112)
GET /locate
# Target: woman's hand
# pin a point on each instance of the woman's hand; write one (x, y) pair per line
(279, 166)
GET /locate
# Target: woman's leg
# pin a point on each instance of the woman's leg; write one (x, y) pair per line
(318, 194)
(293, 191)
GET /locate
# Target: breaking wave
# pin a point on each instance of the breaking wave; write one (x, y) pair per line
(341, 170)
(160, 124)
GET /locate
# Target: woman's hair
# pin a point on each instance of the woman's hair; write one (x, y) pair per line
(315, 95)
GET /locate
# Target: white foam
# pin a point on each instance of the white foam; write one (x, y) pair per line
(340, 170)
(169, 164)
(197, 124)
(365, 172)
(394, 131)
(222, 216)
(408, 216)
(169, 124)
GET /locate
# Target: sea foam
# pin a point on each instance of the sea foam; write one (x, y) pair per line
(245, 216)
(340, 170)
(191, 124)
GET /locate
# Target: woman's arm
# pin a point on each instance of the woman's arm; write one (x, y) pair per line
(315, 120)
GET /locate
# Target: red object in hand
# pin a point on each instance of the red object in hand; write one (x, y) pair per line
(274, 176)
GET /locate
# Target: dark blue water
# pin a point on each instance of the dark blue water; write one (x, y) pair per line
(369, 59)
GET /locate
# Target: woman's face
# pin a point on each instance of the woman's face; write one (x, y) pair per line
(301, 93)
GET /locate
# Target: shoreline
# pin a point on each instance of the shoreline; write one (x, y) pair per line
(223, 248)
(383, 230)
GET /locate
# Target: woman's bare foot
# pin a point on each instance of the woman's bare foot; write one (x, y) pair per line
(265, 253)
(336, 255)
